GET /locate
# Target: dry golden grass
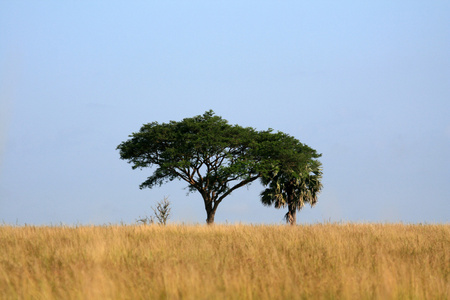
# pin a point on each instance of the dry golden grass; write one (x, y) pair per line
(323, 261)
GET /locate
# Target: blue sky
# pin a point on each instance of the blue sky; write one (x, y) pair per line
(367, 84)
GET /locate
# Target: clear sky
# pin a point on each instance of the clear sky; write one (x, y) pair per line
(366, 83)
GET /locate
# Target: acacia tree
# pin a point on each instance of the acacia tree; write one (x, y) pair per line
(293, 184)
(212, 156)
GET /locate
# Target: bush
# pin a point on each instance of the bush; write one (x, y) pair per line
(162, 211)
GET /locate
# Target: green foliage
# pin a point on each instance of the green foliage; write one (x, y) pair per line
(296, 180)
(184, 149)
(212, 156)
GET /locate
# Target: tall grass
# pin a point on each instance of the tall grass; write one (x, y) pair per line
(323, 261)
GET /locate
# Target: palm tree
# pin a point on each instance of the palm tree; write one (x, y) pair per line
(293, 189)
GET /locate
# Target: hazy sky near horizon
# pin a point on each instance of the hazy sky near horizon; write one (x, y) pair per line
(366, 83)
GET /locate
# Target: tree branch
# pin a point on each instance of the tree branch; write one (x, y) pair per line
(240, 184)
(185, 176)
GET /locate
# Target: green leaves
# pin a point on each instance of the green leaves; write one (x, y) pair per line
(292, 174)
(212, 156)
(184, 149)
(293, 183)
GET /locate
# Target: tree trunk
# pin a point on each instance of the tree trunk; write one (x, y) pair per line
(292, 214)
(210, 217)
(292, 207)
(210, 210)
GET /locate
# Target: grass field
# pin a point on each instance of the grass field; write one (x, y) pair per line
(322, 261)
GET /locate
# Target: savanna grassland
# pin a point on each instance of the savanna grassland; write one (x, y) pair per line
(321, 261)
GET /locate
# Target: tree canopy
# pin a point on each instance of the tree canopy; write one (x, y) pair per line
(294, 177)
(212, 156)
(293, 188)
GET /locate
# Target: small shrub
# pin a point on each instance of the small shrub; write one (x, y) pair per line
(146, 220)
(162, 211)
